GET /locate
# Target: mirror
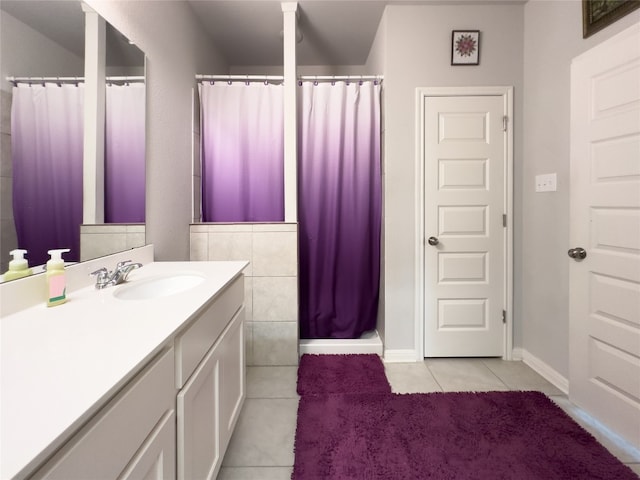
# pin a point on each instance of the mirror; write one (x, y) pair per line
(45, 38)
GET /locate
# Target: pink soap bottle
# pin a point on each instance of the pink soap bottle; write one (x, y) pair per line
(56, 278)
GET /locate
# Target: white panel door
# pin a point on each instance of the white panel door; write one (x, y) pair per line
(464, 157)
(604, 370)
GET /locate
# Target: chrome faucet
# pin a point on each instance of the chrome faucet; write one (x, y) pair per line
(119, 275)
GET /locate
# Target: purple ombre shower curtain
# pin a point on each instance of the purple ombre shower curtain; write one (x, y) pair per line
(47, 143)
(339, 191)
(125, 153)
(242, 152)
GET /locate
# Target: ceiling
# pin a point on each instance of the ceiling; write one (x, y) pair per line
(247, 32)
(334, 32)
(63, 22)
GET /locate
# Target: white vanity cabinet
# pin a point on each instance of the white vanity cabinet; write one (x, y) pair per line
(147, 389)
(211, 392)
(133, 436)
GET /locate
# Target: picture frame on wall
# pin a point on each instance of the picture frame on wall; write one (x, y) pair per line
(598, 14)
(465, 47)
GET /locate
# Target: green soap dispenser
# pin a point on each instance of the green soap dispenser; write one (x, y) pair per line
(18, 267)
(56, 279)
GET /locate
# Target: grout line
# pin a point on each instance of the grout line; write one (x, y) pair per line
(498, 377)
(507, 386)
(435, 379)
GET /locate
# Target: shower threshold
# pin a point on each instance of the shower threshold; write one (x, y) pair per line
(369, 342)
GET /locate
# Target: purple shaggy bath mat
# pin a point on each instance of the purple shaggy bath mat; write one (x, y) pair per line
(457, 436)
(323, 374)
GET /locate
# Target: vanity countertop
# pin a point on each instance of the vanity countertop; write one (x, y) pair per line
(59, 365)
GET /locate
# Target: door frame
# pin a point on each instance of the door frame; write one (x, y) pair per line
(506, 92)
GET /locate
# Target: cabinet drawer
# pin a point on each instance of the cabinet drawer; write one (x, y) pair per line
(193, 344)
(104, 447)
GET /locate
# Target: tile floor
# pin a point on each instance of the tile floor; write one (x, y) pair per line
(262, 445)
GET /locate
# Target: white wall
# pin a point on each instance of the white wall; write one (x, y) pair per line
(552, 37)
(417, 54)
(25, 52)
(376, 65)
(177, 47)
(302, 70)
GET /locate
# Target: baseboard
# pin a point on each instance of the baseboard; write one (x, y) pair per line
(545, 371)
(400, 356)
(516, 354)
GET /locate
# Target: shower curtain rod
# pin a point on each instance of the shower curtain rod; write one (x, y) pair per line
(247, 78)
(16, 80)
(329, 78)
(325, 78)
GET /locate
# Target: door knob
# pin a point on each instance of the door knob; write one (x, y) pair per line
(433, 241)
(577, 253)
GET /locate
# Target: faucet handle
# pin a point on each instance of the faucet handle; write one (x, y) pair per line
(101, 272)
(122, 264)
(101, 276)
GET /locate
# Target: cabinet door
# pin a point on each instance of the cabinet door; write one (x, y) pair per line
(156, 459)
(232, 378)
(198, 426)
(105, 446)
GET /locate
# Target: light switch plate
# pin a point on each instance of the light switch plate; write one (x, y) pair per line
(547, 183)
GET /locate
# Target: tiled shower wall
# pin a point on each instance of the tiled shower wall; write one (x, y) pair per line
(105, 239)
(8, 238)
(271, 282)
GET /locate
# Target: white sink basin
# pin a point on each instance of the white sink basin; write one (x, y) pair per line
(157, 287)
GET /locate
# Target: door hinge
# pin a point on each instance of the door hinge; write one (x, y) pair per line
(505, 122)
(504, 316)
(504, 219)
